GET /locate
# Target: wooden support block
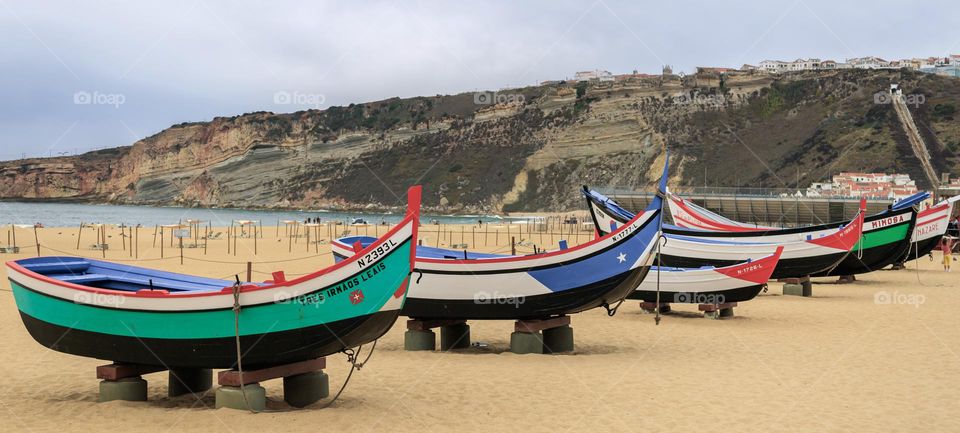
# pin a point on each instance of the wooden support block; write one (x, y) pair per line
(651, 307)
(533, 326)
(232, 377)
(455, 336)
(250, 397)
(189, 381)
(419, 340)
(426, 325)
(715, 307)
(526, 342)
(305, 389)
(131, 388)
(117, 371)
(792, 290)
(846, 279)
(558, 340)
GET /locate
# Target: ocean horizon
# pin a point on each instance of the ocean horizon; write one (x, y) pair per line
(65, 214)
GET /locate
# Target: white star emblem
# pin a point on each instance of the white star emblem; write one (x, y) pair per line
(622, 257)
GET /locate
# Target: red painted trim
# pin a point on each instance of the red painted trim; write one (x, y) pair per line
(414, 195)
(409, 219)
(757, 271)
(845, 238)
(710, 224)
(403, 288)
(932, 210)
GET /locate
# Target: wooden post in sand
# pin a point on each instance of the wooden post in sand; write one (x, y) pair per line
(37, 239)
(254, 240)
(13, 229)
(249, 271)
(79, 233)
(308, 238)
(161, 242)
(513, 246)
(289, 240)
(136, 235)
(103, 237)
(155, 228)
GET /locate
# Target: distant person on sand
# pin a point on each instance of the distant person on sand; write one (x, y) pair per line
(946, 245)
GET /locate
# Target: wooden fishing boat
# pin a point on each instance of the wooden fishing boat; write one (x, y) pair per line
(129, 314)
(707, 285)
(801, 256)
(931, 226)
(886, 236)
(458, 284)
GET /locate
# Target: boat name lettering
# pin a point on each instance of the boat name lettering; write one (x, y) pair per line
(377, 253)
(887, 221)
(373, 271)
(625, 232)
(750, 268)
(929, 228)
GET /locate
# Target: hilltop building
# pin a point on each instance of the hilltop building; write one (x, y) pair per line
(595, 75)
(871, 185)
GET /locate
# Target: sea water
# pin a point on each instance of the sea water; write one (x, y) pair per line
(52, 214)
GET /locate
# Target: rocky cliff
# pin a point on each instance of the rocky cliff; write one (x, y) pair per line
(529, 152)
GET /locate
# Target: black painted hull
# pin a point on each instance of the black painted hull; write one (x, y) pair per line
(609, 291)
(258, 350)
(786, 268)
(921, 249)
(871, 259)
(739, 294)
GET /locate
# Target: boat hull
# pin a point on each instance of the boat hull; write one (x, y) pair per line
(875, 250)
(258, 349)
(570, 301)
(349, 304)
(786, 267)
(921, 248)
(735, 294)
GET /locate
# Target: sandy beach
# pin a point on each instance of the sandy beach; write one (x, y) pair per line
(882, 354)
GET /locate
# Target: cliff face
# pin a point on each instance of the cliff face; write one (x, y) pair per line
(529, 153)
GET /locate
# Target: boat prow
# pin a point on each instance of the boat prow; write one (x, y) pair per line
(130, 314)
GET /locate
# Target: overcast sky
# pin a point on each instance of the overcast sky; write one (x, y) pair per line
(76, 76)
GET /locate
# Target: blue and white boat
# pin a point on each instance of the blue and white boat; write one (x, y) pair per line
(452, 284)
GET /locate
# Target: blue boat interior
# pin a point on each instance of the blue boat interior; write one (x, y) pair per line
(113, 276)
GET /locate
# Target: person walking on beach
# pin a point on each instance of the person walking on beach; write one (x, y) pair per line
(946, 245)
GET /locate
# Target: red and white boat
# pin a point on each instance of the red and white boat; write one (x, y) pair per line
(708, 285)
